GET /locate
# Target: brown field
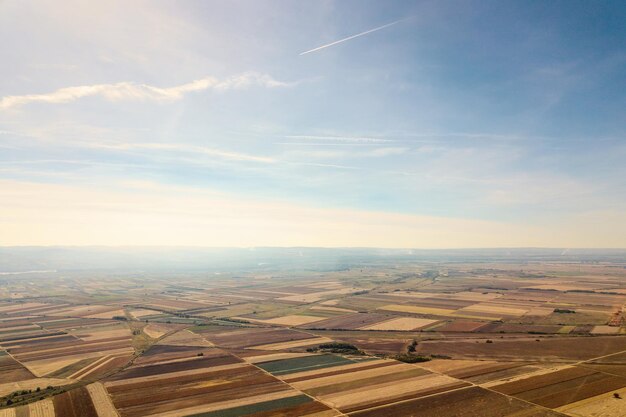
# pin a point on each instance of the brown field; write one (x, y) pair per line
(468, 402)
(75, 403)
(291, 320)
(557, 349)
(247, 337)
(202, 385)
(11, 370)
(292, 344)
(562, 387)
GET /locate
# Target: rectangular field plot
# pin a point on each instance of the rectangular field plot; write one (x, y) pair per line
(562, 387)
(469, 402)
(214, 384)
(305, 363)
(250, 337)
(400, 323)
(558, 349)
(366, 384)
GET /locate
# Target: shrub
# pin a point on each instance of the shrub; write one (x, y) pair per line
(405, 357)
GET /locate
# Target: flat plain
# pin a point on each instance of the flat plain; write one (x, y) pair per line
(461, 337)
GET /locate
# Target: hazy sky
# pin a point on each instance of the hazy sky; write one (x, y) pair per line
(327, 123)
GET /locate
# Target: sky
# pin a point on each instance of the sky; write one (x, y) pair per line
(419, 124)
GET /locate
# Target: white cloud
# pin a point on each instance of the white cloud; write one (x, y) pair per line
(235, 156)
(132, 91)
(346, 139)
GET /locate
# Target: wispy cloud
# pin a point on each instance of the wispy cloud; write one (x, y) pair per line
(132, 91)
(328, 45)
(235, 156)
(347, 139)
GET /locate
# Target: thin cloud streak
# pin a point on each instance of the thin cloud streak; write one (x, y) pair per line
(235, 156)
(328, 45)
(349, 139)
(131, 91)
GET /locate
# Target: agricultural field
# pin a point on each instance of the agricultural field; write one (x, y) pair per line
(402, 339)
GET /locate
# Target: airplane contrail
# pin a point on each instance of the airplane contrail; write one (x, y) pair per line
(351, 37)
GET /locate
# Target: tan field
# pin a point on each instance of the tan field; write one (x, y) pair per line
(9, 387)
(386, 391)
(401, 323)
(101, 400)
(494, 309)
(604, 405)
(417, 309)
(43, 408)
(293, 320)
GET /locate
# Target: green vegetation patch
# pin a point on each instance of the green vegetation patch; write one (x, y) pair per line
(257, 408)
(306, 363)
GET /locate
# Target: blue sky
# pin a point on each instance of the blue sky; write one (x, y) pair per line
(463, 124)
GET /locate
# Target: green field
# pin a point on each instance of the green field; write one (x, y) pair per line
(307, 363)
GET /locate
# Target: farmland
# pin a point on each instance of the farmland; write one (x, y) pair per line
(406, 338)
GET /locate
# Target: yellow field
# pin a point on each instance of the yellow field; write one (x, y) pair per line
(385, 391)
(156, 330)
(540, 311)
(417, 309)
(44, 408)
(605, 330)
(401, 323)
(101, 400)
(604, 405)
(566, 329)
(494, 309)
(293, 320)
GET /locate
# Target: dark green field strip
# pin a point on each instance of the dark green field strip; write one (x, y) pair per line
(307, 363)
(338, 372)
(3, 353)
(256, 408)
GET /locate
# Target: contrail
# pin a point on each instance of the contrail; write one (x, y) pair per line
(351, 37)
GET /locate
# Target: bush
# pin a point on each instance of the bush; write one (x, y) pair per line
(338, 345)
(405, 357)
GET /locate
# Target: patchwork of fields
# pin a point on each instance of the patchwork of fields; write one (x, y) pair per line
(456, 340)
